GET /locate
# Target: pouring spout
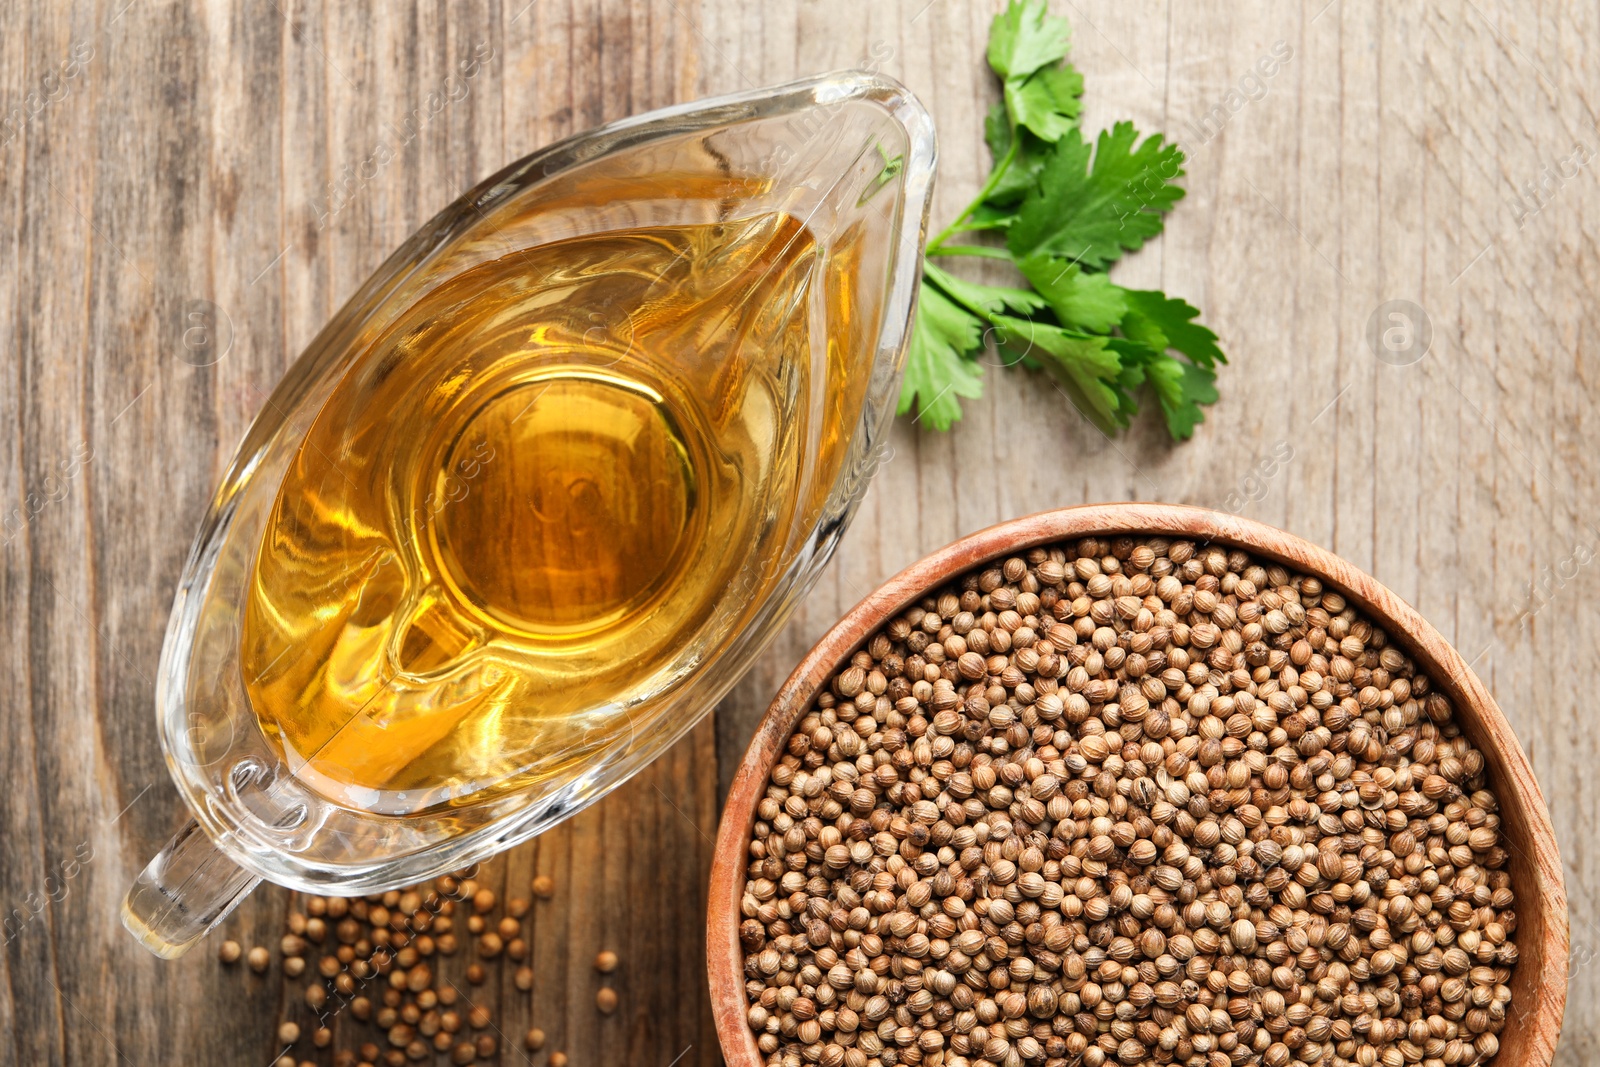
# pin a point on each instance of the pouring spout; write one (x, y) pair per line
(186, 890)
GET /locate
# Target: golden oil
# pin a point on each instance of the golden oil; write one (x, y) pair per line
(525, 508)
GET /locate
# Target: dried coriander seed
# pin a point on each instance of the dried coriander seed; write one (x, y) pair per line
(1130, 799)
(391, 938)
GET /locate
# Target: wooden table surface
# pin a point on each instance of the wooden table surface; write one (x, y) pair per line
(163, 160)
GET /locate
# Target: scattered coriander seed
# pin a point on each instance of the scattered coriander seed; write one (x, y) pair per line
(606, 962)
(381, 936)
(533, 1041)
(606, 1000)
(1130, 799)
(288, 1032)
(544, 887)
(284, 1061)
(463, 1053)
(558, 1059)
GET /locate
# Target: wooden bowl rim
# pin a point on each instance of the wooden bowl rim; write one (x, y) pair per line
(1513, 776)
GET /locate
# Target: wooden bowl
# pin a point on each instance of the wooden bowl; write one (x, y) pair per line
(1539, 982)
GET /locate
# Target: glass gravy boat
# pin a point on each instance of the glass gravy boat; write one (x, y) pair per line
(384, 741)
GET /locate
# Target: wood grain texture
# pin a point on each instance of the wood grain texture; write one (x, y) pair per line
(1538, 986)
(219, 160)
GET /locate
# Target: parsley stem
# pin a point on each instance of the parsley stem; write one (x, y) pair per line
(999, 171)
(971, 250)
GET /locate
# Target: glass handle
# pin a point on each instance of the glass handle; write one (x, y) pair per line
(186, 890)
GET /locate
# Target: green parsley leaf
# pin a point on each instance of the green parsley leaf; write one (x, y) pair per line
(1180, 386)
(937, 370)
(1047, 102)
(1082, 363)
(1025, 37)
(1068, 210)
(1164, 322)
(1087, 301)
(1092, 212)
(991, 298)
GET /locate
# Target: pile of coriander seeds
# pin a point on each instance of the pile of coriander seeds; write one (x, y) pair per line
(378, 963)
(1134, 800)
